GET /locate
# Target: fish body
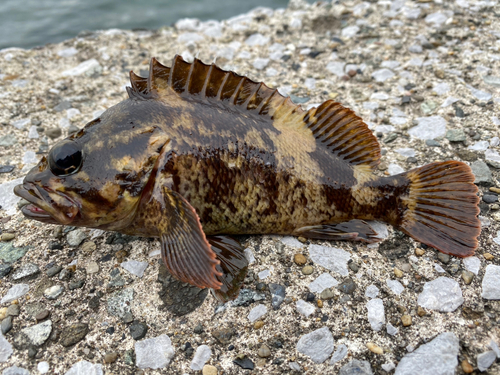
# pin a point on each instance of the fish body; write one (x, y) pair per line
(196, 153)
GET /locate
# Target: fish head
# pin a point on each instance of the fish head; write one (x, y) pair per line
(95, 178)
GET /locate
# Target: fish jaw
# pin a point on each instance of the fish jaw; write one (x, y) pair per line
(49, 207)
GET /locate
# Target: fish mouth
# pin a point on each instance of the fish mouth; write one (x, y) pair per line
(46, 206)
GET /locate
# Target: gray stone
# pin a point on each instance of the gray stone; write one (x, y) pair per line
(318, 345)
(322, 282)
(494, 346)
(154, 353)
(443, 294)
(429, 128)
(278, 293)
(391, 330)
(438, 357)
(119, 302)
(75, 237)
(257, 40)
(339, 354)
(395, 286)
(138, 330)
(8, 140)
(492, 81)
(5, 349)
(305, 308)
(455, 135)
(201, 356)
(53, 133)
(485, 360)
(5, 269)
(35, 335)
(356, 367)
(332, 258)
(134, 267)
(73, 334)
(53, 292)
(16, 291)
(52, 271)
(371, 291)
(491, 282)
(88, 67)
(26, 270)
(376, 313)
(6, 325)
(482, 173)
(257, 312)
(14, 370)
(85, 368)
(383, 75)
(8, 201)
(13, 310)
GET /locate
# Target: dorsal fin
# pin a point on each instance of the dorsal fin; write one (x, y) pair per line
(335, 127)
(139, 86)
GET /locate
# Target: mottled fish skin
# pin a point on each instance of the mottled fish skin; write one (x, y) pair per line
(196, 151)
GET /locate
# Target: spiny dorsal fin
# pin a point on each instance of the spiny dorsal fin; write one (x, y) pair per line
(139, 86)
(335, 127)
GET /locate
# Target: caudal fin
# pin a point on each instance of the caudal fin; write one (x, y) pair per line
(442, 208)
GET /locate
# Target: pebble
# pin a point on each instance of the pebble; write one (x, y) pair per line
(42, 315)
(398, 273)
(278, 293)
(488, 256)
(482, 173)
(138, 330)
(391, 330)
(371, 291)
(331, 258)
(257, 312)
(294, 242)
(487, 198)
(258, 324)
(467, 276)
(466, 367)
(73, 334)
(15, 292)
(209, 370)
(406, 320)
(472, 264)
(491, 282)
(35, 335)
(356, 367)
(52, 271)
(322, 282)
(201, 356)
(305, 308)
(6, 325)
(8, 201)
(8, 236)
(26, 270)
(110, 357)
(84, 368)
(318, 345)
(244, 362)
(43, 367)
(307, 270)
(347, 286)
(118, 303)
(395, 286)
(339, 354)
(13, 310)
(5, 270)
(443, 294)
(257, 39)
(53, 133)
(382, 75)
(376, 313)
(264, 351)
(439, 356)
(485, 360)
(444, 258)
(299, 259)
(92, 267)
(76, 237)
(14, 370)
(53, 292)
(135, 267)
(429, 128)
(374, 348)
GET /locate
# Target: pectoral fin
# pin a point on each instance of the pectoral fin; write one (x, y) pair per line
(233, 266)
(354, 230)
(184, 248)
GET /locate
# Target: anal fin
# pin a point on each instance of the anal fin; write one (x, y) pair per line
(233, 266)
(353, 230)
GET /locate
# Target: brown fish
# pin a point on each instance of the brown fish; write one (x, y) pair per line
(197, 153)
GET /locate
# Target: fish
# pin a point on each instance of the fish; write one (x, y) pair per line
(197, 155)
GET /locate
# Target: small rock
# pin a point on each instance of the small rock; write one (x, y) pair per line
(52, 271)
(374, 348)
(356, 367)
(209, 370)
(278, 293)
(264, 351)
(76, 284)
(74, 334)
(482, 173)
(333, 259)
(376, 313)
(138, 330)
(245, 363)
(5, 349)
(202, 355)
(257, 312)
(5, 270)
(119, 302)
(110, 357)
(299, 259)
(444, 258)
(406, 320)
(53, 292)
(485, 360)
(318, 345)
(43, 367)
(395, 286)
(7, 236)
(491, 282)
(15, 292)
(13, 310)
(84, 367)
(398, 273)
(371, 291)
(6, 325)
(305, 308)
(391, 330)
(466, 367)
(339, 354)
(26, 270)
(467, 276)
(472, 264)
(443, 294)
(258, 324)
(224, 335)
(42, 315)
(134, 267)
(307, 270)
(322, 282)
(35, 335)
(53, 133)
(347, 286)
(14, 370)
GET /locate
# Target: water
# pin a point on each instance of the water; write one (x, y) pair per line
(30, 23)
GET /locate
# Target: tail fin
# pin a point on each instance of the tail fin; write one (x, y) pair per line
(443, 207)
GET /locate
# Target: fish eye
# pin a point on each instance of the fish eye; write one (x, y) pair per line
(65, 158)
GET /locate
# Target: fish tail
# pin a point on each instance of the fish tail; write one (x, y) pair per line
(441, 206)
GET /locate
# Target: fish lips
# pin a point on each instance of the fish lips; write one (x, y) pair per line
(46, 206)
